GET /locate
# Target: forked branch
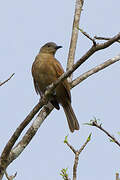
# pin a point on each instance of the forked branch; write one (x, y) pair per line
(77, 153)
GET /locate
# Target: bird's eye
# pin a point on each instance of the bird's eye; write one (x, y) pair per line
(48, 45)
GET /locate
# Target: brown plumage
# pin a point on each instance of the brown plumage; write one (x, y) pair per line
(45, 70)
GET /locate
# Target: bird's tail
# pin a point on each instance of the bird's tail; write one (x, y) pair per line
(71, 117)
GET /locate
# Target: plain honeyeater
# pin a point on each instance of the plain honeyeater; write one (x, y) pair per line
(46, 70)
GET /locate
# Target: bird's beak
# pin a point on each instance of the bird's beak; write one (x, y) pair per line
(58, 47)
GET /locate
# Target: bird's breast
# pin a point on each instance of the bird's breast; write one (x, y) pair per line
(44, 74)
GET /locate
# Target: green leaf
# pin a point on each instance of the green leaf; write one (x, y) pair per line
(89, 137)
(65, 141)
(64, 173)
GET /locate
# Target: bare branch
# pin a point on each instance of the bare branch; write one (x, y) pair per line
(94, 70)
(74, 37)
(18, 149)
(86, 142)
(70, 146)
(103, 38)
(7, 80)
(88, 36)
(14, 137)
(75, 165)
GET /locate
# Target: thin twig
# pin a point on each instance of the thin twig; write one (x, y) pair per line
(74, 37)
(94, 70)
(104, 38)
(88, 36)
(86, 142)
(7, 80)
(95, 123)
(69, 145)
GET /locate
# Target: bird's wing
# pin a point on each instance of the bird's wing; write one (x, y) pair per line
(59, 72)
(33, 74)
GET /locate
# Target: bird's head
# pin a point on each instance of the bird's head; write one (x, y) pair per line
(50, 48)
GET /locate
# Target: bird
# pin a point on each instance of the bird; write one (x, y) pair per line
(46, 69)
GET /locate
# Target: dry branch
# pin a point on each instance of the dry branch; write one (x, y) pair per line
(7, 80)
(74, 37)
(103, 38)
(88, 36)
(5, 154)
(94, 70)
(18, 149)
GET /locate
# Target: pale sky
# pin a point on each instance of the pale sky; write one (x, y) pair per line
(24, 27)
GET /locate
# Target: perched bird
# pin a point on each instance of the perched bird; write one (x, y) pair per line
(46, 70)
